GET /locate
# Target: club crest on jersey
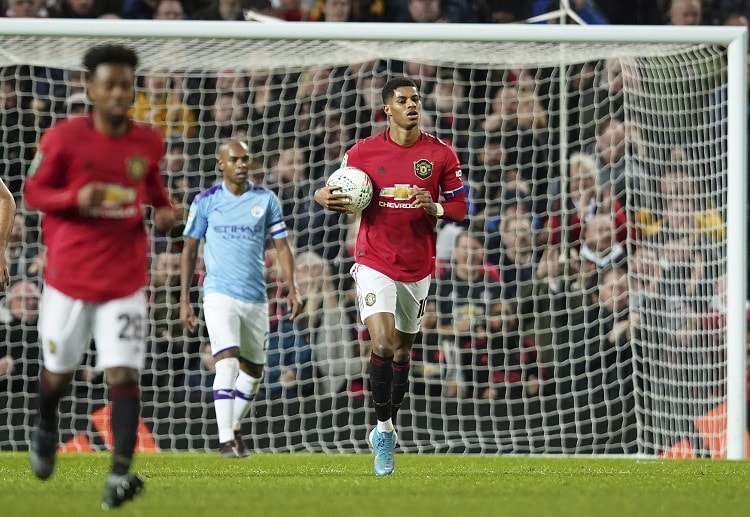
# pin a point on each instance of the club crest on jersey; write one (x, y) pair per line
(370, 299)
(423, 168)
(135, 167)
(257, 211)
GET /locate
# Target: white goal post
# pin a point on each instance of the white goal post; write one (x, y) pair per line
(683, 87)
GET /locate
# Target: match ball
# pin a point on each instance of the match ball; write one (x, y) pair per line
(355, 183)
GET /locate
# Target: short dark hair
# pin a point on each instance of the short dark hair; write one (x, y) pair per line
(393, 84)
(109, 53)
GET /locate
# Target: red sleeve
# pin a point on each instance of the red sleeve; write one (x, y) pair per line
(46, 188)
(455, 209)
(452, 188)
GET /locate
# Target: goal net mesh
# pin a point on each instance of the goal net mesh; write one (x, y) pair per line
(578, 309)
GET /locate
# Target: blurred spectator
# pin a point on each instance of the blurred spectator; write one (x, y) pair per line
(685, 12)
(322, 324)
(19, 347)
(313, 228)
(522, 160)
(604, 383)
(160, 103)
(645, 272)
(17, 132)
(426, 358)
(491, 180)
(264, 109)
(679, 189)
(25, 9)
(228, 10)
(199, 383)
(609, 95)
(180, 176)
(168, 341)
(614, 169)
(138, 9)
(584, 200)
(225, 118)
(501, 11)
(169, 10)
(289, 10)
(428, 11)
(83, 8)
(23, 250)
(332, 11)
(448, 103)
(366, 105)
(515, 256)
(469, 307)
(734, 19)
(532, 115)
(633, 12)
(20, 359)
(369, 10)
(599, 249)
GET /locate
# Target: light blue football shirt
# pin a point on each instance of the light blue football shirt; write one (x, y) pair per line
(235, 230)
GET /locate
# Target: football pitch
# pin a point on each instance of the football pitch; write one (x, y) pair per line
(302, 484)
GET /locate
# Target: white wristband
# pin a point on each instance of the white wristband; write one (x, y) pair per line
(439, 210)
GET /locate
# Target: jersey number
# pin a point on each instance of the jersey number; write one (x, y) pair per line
(132, 326)
(422, 305)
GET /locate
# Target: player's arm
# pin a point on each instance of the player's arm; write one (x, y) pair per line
(187, 273)
(453, 206)
(286, 262)
(7, 214)
(46, 188)
(328, 198)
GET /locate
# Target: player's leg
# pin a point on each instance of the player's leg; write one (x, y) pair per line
(119, 329)
(254, 339)
(376, 294)
(411, 299)
(223, 321)
(64, 332)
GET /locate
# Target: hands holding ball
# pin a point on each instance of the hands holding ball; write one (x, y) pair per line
(349, 190)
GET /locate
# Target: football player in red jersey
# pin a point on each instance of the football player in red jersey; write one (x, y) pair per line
(395, 253)
(91, 177)
(7, 214)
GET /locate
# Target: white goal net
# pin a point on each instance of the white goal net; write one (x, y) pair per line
(583, 307)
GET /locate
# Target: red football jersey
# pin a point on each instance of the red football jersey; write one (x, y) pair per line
(100, 255)
(394, 237)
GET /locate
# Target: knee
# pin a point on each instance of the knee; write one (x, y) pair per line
(383, 347)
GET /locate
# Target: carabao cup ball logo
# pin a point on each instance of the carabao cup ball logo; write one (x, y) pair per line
(355, 183)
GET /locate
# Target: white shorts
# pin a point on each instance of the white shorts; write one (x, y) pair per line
(377, 292)
(232, 323)
(66, 325)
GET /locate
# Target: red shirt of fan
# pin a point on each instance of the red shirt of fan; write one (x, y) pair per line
(395, 238)
(99, 255)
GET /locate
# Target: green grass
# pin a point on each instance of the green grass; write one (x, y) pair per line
(335, 485)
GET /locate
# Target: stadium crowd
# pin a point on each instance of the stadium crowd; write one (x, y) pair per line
(542, 290)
